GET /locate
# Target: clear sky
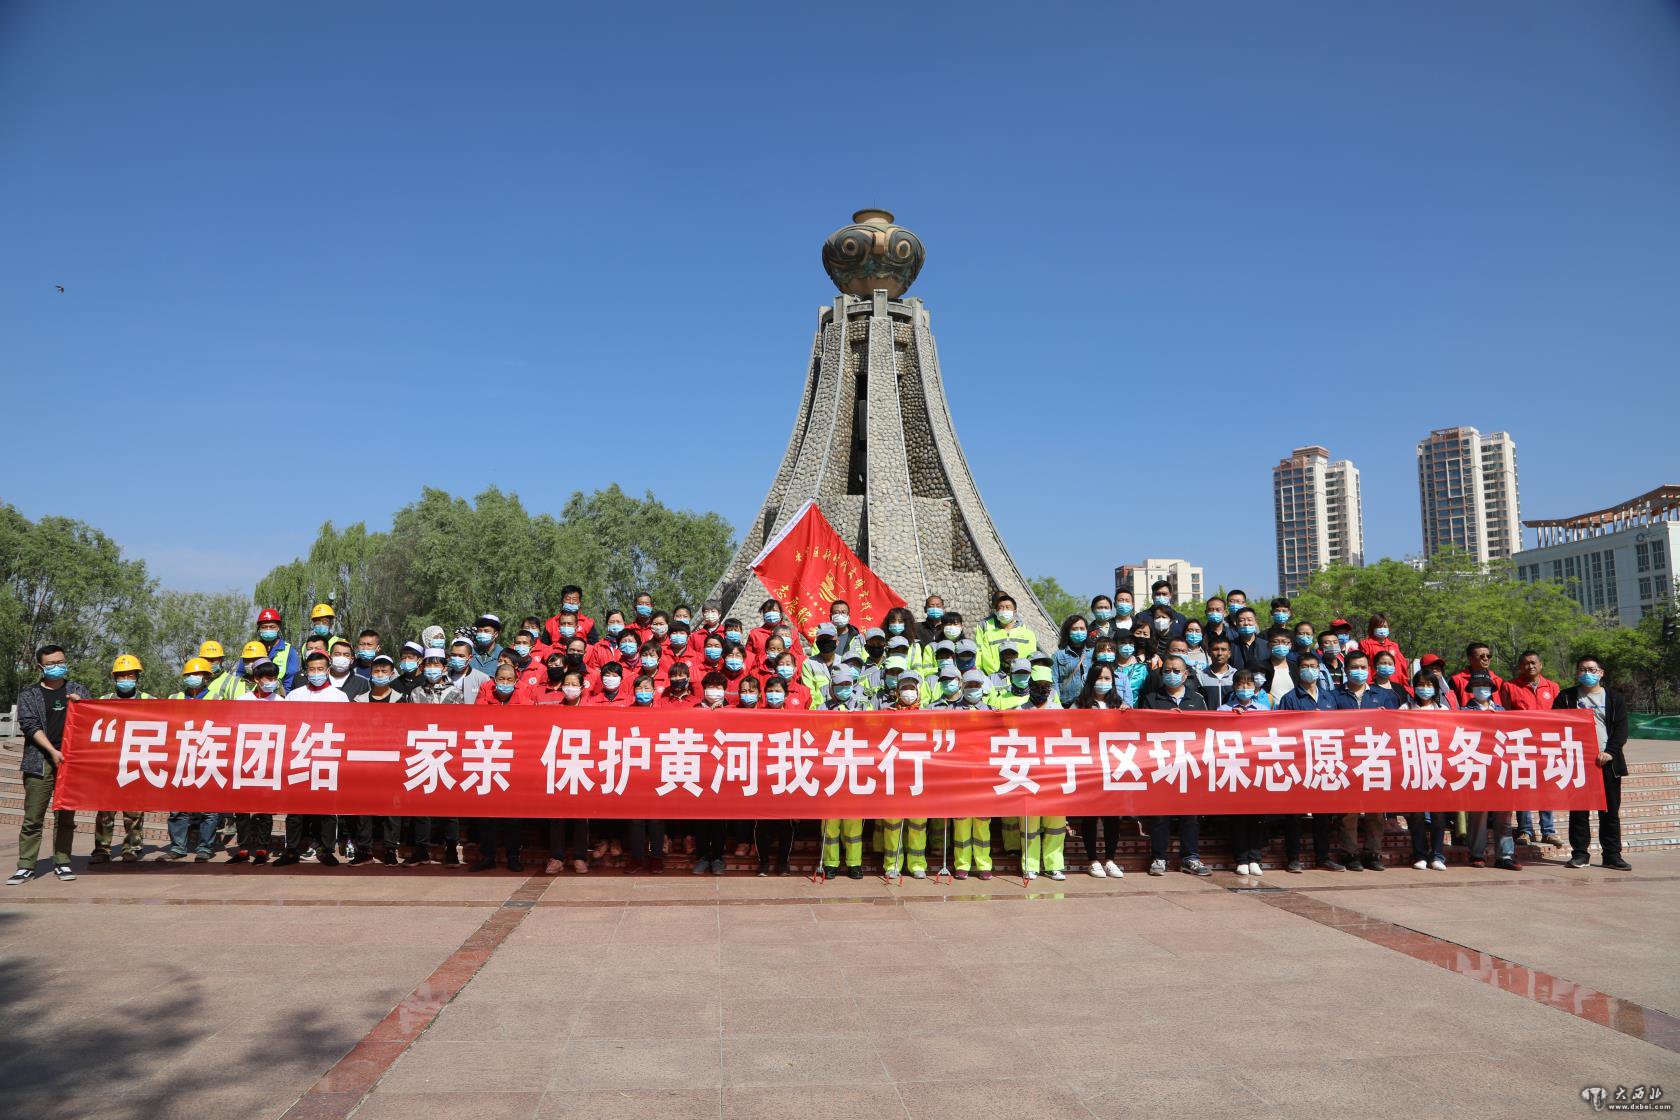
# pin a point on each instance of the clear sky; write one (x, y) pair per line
(317, 255)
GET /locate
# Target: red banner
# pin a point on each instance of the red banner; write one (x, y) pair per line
(807, 566)
(481, 761)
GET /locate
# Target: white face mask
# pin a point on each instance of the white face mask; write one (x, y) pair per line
(714, 696)
(341, 664)
(610, 681)
(840, 620)
(571, 691)
(1006, 617)
(1162, 623)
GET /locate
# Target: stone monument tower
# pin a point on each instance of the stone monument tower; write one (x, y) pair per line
(875, 447)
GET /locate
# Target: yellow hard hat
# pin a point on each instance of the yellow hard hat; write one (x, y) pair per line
(253, 650)
(195, 665)
(212, 650)
(322, 610)
(126, 663)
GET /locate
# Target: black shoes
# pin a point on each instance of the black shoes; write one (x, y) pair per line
(854, 872)
(513, 864)
(1577, 861)
(1293, 867)
(1617, 863)
(1331, 865)
(1372, 862)
(482, 865)
(326, 859)
(1506, 863)
(451, 857)
(287, 859)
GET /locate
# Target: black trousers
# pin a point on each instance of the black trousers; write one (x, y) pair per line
(304, 830)
(365, 830)
(1087, 827)
(436, 830)
(1189, 837)
(255, 830)
(775, 843)
(1321, 825)
(499, 834)
(1609, 820)
(1249, 837)
(708, 839)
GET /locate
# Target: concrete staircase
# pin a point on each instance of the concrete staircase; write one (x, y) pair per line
(1650, 820)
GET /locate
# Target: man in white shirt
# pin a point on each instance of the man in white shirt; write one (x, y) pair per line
(305, 830)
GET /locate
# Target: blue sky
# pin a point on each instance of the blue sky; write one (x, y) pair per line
(318, 255)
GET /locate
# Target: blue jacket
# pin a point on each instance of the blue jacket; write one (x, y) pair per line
(1070, 669)
(1373, 698)
(1299, 699)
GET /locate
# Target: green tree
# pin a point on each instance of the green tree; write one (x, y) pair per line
(65, 582)
(618, 546)
(184, 620)
(1058, 601)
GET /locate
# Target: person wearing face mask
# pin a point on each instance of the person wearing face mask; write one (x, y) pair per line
(1161, 605)
(341, 669)
(840, 617)
(610, 689)
(1009, 689)
(999, 627)
(487, 637)
(1043, 838)
(1530, 691)
(435, 687)
(1250, 651)
(367, 648)
(904, 839)
(571, 603)
(1099, 693)
(1367, 828)
(43, 708)
(786, 669)
(815, 671)
(1102, 616)
(1249, 831)
(842, 838)
(1332, 662)
(1481, 695)
(679, 691)
(1131, 671)
(568, 837)
(313, 830)
(971, 837)
(603, 644)
(1215, 625)
(125, 680)
(1278, 673)
(931, 628)
(641, 615)
(1304, 639)
(1195, 653)
(1478, 661)
(1427, 830)
(253, 832)
(1072, 660)
(494, 833)
(321, 620)
(683, 647)
(1610, 727)
(922, 654)
(531, 667)
(196, 677)
(710, 622)
(1173, 693)
(1282, 611)
(275, 649)
(1218, 678)
(409, 676)
(1377, 640)
(363, 831)
(771, 614)
(226, 681)
(1385, 679)
(459, 668)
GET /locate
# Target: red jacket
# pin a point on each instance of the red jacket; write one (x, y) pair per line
(666, 700)
(1461, 685)
(585, 628)
(1374, 646)
(597, 698)
(549, 695)
(487, 695)
(1515, 696)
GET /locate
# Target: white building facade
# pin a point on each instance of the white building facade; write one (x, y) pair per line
(1617, 562)
(1319, 514)
(1467, 493)
(1186, 580)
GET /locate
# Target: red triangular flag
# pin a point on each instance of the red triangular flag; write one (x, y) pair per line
(807, 566)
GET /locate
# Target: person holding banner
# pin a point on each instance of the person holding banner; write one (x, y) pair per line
(1610, 721)
(1428, 830)
(1479, 691)
(841, 838)
(1249, 834)
(1100, 693)
(195, 685)
(382, 680)
(904, 839)
(1173, 694)
(254, 832)
(226, 683)
(125, 679)
(43, 709)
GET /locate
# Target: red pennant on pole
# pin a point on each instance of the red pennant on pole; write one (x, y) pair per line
(807, 566)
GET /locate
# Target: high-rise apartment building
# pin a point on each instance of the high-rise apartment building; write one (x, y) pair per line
(1467, 491)
(1320, 516)
(1186, 580)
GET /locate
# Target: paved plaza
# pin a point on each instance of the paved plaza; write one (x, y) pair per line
(158, 991)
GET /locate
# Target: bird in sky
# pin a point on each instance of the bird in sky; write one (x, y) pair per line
(60, 288)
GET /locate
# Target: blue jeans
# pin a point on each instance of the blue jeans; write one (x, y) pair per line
(1427, 831)
(182, 827)
(1525, 822)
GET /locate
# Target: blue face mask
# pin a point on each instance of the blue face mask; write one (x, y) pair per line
(1280, 651)
(1482, 695)
(775, 699)
(192, 682)
(434, 673)
(1425, 692)
(772, 617)
(1303, 640)
(483, 640)
(785, 672)
(365, 654)
(1358, 676)
(974, 695)
(56, 672)
(1102, 687)
(733, 664)
(126, 687)
(650, 662)
(1308, 674)
(568, 631)
(383, 680)
(1248, 630)
(408, 666)
(436, 643)
(644, 610)
(1381, 632)
(895, 628)
(1192, 638)
(1106, 657)
(321, 630)
(965, 661)
(934, 614)
(457, 663)
(1588, 679)
(1172, 679)
(614, 629)
(1385, 671)
(679, 640)
(644, 696)
(734, 637)
(713, 653)
(1216, 617)
(268, 635)
(1163, 601)
(749, 699)
(1123, 609)
(504, 689)
(842, 692)
(1127, 649)
(1244, 695)
(628, 648)
(316, 680)
(1280, 617)
(571, 608)
(523, 649)
(271, 686)
(1076, 637)
(1103, 614)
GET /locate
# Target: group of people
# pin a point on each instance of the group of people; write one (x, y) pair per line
(1118, 655)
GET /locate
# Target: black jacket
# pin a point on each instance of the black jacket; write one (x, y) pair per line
(1615, 722)
(1160, 701)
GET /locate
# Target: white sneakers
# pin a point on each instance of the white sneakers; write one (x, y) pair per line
(1256, 870)
(1421, 865)
(1157, 867)
(1097, 871)
(1113, 870)
(1242, 869)
(1437, 865)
